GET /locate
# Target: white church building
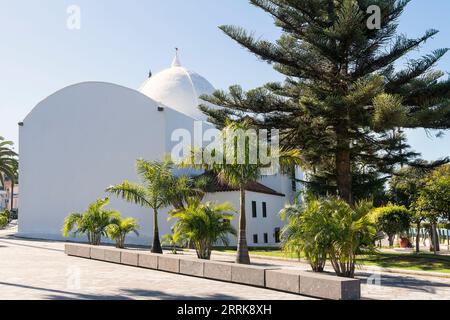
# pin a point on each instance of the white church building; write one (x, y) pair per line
(87, 136)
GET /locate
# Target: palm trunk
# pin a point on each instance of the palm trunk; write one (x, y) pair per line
(156, 247)
(343, 166)
(242, 248)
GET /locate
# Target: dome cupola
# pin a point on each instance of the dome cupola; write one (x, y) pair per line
(178, 88)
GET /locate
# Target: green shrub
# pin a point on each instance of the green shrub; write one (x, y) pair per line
(93, 222)
(330, 228)
(204, 224)
(391, 220)
(304, 233)
(119, 228)
(4, 219)
(174, 241)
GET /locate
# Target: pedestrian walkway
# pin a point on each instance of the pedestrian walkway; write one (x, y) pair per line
(32, 269)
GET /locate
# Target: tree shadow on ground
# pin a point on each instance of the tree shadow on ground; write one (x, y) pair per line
(405, 282)
(124, 294)
(15, 243)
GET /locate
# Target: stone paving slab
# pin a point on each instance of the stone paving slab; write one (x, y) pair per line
(68, 277)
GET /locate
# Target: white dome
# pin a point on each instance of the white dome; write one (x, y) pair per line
(179, 89)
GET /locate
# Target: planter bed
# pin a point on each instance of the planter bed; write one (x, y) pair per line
(324, 286)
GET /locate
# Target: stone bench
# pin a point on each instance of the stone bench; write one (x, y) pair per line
(192, 267)
(78, 250)
(169, 263)
(217, 270)
(248, 274)
(319, 285)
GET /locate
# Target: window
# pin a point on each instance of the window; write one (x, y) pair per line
(266, 238)
(294, 185)
(294, 181)
(277, 235)
(254, 209)
(264, 209)
(255, 238)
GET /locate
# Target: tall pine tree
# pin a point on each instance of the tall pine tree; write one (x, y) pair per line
(343, 102)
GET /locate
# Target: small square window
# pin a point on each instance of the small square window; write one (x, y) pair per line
(255, 238)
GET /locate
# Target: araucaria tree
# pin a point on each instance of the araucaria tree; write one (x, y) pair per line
(343, 102)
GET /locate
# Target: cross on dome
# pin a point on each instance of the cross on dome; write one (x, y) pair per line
(176, 60)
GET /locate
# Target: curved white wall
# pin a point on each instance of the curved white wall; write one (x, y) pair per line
(88, 136)
(77, 142)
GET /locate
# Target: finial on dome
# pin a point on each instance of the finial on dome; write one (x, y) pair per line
(176, 60)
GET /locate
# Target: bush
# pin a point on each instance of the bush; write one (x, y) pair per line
(174, 241)
(330, 228)
(204, 224)
(304, 234)
(4, 219)
(391, 220)
(119, 228)
(93, 222)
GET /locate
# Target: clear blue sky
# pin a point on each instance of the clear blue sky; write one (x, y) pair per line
(119, 41)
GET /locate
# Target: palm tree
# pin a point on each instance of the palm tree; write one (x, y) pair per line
(8, 166)
(329, 227)
(304, 233)
(204, 225)
(174, 240)
(94, 222)
(243, 169)
(159, 189)
(120, 227)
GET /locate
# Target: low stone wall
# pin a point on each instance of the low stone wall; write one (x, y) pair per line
(319, 285)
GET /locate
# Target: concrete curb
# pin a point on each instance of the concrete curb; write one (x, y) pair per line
(323, 286)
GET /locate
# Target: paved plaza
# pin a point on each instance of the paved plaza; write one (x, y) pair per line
(31, 269)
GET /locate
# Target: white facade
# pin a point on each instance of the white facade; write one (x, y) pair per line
(263, 227)
(86, 137)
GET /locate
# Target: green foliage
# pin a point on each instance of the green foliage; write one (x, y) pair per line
(343, 98)
(237, 162)
(389, 112)
(405, 185)
(160, 188)
(93, 223)
(304, 233)
(350, 230)
(204, 225)
(174, 240)
(329, 227)
(434, 198)
(119, 227)
(4, 219)
(391, 220)
(8, 161)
